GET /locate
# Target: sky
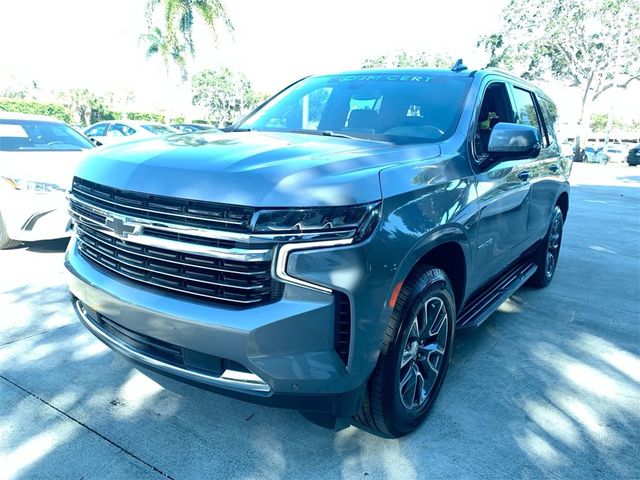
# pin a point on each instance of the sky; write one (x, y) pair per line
(86, 43)
(94, 44)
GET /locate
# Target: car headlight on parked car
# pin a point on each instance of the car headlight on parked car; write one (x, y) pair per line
(355, 222)
(31, 186)
(315, 228)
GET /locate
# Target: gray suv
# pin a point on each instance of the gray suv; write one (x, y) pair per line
(321, 254)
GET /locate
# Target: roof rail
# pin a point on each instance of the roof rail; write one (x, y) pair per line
(459, 66)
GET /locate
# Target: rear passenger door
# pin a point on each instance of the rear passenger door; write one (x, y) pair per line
(544, 171)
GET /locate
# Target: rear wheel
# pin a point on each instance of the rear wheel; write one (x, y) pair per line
(414, 357)
(5, 241)
(546, 256)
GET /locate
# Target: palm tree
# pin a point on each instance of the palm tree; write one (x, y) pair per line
(179, 16)
(159, 44)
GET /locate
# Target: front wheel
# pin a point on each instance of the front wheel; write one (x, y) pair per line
(546, 256)
(414, 357)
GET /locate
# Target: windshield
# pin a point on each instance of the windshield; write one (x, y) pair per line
(389, 107)
(40, 136)
(159, 129)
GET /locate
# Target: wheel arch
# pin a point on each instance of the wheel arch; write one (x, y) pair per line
(563, 202)
(446, 249)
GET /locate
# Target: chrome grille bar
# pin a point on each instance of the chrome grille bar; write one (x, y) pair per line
(238, 254)
(179, 290)
(154, 255)
(117, 256)
(158, 206)
(179, 215)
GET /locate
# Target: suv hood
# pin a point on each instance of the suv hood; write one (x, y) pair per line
(248, 168)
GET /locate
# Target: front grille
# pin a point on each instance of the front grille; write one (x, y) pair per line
(187, 269)
(165, 209)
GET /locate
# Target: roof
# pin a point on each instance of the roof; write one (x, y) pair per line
(406, 71)
(445, 72)
(27, 116)
(131, 122)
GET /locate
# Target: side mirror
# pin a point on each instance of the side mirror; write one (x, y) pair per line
(95, 142)
(512, 141)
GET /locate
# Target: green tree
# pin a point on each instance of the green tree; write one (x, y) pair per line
(590, 44)
(600, 121)
(225, 94)
(405, 59)
(157, 43)
(178, 18)
(83, 104)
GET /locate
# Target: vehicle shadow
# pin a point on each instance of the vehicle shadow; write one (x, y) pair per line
(47, 246)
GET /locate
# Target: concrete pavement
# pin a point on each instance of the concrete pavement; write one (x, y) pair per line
(548, 387)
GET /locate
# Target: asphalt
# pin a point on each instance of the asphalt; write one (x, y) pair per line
(547, 387)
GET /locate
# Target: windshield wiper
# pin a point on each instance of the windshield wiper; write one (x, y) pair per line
(326, 133)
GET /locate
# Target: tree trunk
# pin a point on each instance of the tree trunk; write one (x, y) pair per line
(582, 128)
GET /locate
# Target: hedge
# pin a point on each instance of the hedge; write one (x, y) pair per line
(58, 111)
(36, 108)
(145, 116)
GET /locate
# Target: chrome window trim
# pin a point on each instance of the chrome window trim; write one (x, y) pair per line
(282, 257)
(231, 379)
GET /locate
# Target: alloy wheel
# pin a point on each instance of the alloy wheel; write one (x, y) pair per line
(553, 247)
(423, 353)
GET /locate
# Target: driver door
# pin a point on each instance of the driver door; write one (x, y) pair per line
(503, 191)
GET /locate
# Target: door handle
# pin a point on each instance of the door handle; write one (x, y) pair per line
(524, 176)
(554, 167)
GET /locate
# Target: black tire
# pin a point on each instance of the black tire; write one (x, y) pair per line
(547, 253)
(5, 241)
(385, 411)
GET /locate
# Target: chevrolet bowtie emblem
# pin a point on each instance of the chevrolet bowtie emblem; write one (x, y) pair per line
(120, 226)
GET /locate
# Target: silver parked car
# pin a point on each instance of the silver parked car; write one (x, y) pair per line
(37, 158)
(117, 131)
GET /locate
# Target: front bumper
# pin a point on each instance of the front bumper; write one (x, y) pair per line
(32, 217)
(286, 348)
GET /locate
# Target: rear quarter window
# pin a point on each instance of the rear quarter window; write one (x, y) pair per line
(527, 113)
(550, 115)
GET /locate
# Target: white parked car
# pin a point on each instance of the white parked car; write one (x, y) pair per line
(614, 154)
(37, 157)
(117, 131)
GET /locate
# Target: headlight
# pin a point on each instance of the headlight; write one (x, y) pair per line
(30, 186)
(313, 228)
(353, 221)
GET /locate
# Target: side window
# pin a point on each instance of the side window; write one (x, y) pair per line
(526, 111)
(99, 130)
(550, 115)
(120, 130)
(495, 108)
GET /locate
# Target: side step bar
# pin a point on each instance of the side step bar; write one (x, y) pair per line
(495, 295)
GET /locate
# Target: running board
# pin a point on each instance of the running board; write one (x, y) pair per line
(495, 295)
